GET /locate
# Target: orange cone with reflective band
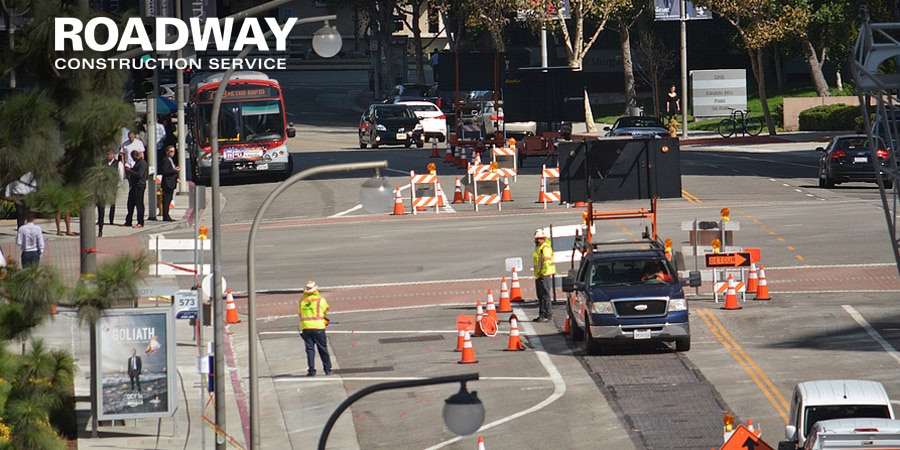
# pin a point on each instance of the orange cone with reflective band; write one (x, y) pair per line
(752, 280)
(457, 192)
(505, 306)
(439, 193)
(731, 301)
(491, 307)
(434, 150)
(231, 315)
(448, 155)
(566, 328)
(468, 353)
(762, 291)
(481, 443)
(398, 202)
(515, 290)
(506, 195)
(515, 343)
(479, 313)
(460, 340)
(542, 195)
(469, 197)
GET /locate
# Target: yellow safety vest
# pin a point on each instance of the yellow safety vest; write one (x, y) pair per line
(313, 309)
(543, 260)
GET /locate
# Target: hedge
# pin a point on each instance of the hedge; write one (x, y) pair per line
(830, 118)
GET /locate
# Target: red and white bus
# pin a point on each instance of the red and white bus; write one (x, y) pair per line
(253, 130)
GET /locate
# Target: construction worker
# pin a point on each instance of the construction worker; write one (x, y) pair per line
(313, 310)
(544, 269)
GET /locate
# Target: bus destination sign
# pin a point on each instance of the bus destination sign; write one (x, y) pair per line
(241, 92)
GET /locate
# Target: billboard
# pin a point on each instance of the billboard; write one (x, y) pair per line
(671, 10)
(714, 93)
(135, 349)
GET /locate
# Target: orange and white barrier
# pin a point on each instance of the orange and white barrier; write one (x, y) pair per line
(420, 203)
(546, 195)
(504, 156)
(487, 199)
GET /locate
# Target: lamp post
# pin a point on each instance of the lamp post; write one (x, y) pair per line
(463, 412)
(328, 39)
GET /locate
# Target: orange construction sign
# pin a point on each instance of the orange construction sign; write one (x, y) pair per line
(488, 325)
(741, 259)
(744, 439)
(464, 323)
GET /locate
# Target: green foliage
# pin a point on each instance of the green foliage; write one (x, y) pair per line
(30, 292)
(28, 138)
(53, 197)
(115, 281)
(829, 118)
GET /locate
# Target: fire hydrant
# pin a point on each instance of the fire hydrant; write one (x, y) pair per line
(673, 127)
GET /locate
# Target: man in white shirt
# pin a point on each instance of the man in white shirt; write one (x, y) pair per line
(133, 143)
(31, 239)
(16, 191)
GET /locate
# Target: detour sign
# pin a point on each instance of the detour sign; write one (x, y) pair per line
(465, 323)
(741, 259)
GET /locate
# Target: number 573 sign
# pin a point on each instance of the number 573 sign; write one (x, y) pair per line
(186, 302)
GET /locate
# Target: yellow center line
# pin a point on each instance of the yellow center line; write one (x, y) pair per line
(759, 377)
(691, 198)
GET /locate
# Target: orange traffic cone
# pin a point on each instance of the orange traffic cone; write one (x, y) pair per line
(469, 197)
(434, 150)
(752, 280)
(481, 443)
(439, 193)
(398, 203)
(505, 307)
(468, 353)
(762, 291)
(231, 315)
(448, 155)
(479, 313)
(515, 343)
(491, 307)
(566, 328)
(460, 340)
(476, 158)
(542, 195)
(52, 309)
(506, 195)
(731, 301)
(457, 192)
(515, 291)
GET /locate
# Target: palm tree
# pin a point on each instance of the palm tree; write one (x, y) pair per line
(31, 293)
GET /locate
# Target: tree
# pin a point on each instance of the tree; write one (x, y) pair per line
(759, 23)
(655, 60)
(465, 18)
(624, 19)
(29, 295)
(411, 11)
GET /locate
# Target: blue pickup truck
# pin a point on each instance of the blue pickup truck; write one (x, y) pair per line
(628, 292)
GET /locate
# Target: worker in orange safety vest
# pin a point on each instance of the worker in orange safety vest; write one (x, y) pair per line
(544, 269)
(313, 310)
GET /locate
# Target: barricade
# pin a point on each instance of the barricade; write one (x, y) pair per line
(549, 186)
(487, 179)
(429, 186)
(507, 161)
(474, 169)
(469, 131)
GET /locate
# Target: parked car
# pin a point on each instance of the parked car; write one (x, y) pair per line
(847, 158)
(409, 92)
(390, 124)
(165, 90)
(638, 126)
(433, 120)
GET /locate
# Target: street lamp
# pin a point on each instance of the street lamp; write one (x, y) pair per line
(327, 41)
(463, 412)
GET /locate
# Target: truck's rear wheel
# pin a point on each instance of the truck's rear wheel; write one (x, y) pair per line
(683, 344)
(591, 346)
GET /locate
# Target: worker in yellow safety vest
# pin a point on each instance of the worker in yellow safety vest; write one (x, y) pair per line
(544, 269)
(313, 310)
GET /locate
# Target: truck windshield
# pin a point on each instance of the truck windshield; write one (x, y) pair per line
(817, 413)
(631, 271)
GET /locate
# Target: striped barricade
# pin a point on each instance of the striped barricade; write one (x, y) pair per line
(507, 161)
(721, 287)
(474, 169)
(549, 186)
(429, 185)
(469, 131)
(487, 179)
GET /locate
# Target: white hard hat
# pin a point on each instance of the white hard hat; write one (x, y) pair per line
(311, 287)
(539, 234)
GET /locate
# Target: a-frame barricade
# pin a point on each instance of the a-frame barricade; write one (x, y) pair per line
(490, 189)
(424, 192)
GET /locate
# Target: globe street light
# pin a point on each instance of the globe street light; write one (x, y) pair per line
(463, 412)
(327, 41)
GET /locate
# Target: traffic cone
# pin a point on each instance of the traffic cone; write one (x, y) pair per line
(542, 195)
(566, 328)
(398, 203)
(468, 353)
(515, 290)
(460, 340)
(481, 443)
(52, 309)
(457, 192)
(476, 158)
(439, 193)
(469, 197)
(231, 315)
(515, 343)
(505, 307)
(479, 313)
(434, 150)
(448, 155)
(731, 301)
(762, 291)
(491, 307)
(752, 280)
(506, 196)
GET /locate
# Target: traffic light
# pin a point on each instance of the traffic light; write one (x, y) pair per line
(433, 20)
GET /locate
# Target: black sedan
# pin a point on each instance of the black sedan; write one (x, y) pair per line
(847, 158)
(390, 124)
(638, 126)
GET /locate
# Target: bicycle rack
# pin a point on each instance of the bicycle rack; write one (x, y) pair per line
(875, 45)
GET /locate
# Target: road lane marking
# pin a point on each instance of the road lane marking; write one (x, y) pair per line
(891, 351)
(759, 377)
(341, 378)
(691, 198)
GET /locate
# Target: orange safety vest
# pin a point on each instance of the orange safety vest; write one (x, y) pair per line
(312, 309)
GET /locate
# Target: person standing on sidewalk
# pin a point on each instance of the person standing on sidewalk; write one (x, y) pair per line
(30, 238)
(169, 172)
(313, 312)
(137, 184)
(114, 165)
(544, 269)
(16, 191)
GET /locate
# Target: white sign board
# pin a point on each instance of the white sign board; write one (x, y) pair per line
(186, 303)
(715, 92)
(513, 262)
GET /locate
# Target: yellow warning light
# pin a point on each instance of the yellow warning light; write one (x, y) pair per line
(665, 148)
(511, 142)
(725, 212)
(729, 421)
(716, 243)
(668, 243)
(203, 233)
(431, 168)
(494, 166)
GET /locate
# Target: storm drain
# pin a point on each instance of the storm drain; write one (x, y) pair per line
(402, 340)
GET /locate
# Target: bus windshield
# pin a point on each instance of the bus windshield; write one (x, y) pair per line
(253, 121)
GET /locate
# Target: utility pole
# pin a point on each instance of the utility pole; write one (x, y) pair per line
(684, 72)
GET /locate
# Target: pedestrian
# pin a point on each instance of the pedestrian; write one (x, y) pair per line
(313, 310)
(114, 165)
(434, 64)
(137, 184)
(169, 172)
(673, 104)
(16, 192)
(132, 144)
(544, 269)
(30, 238)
